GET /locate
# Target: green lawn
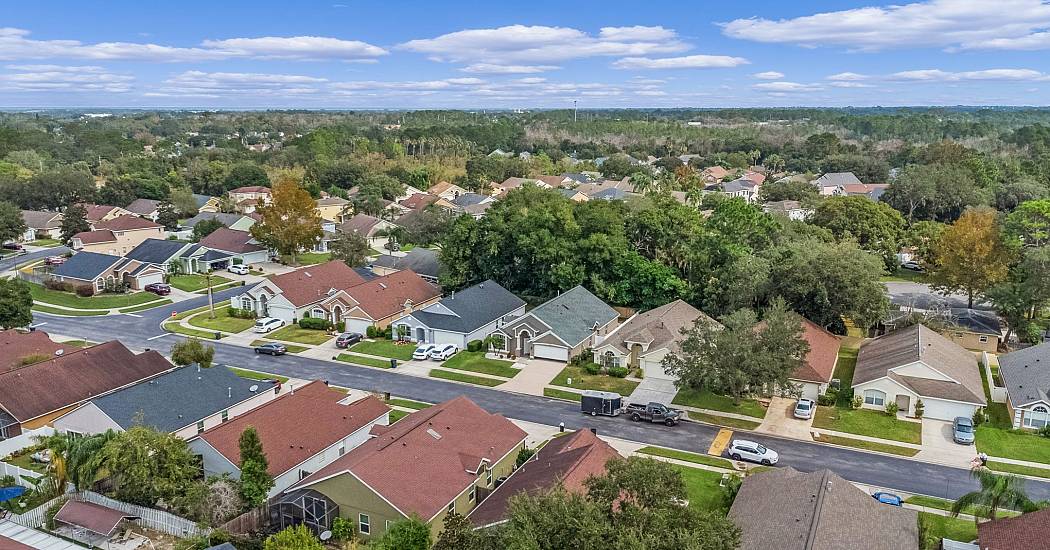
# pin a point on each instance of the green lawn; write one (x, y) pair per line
(193, 282)
(223, 286)
(561, 394)
(962, 530)
(362, 360)
(143, 307)
(23, 460)
(103, 301)
(184, 314)
(45, 242)
(1018, 469)
(290, 347)
(601, 382)
(477, 362)
(687, 457)
(867, 422)
(70, 312)
(78, 343)
(905, 276)
(295, 333)
(705, 399)
(313, 258)
(407, 403)
(255, 375)
(385, 348)
(1013, 444)
(717, 420)
(868, 445)
(449, 375)
(844, 368)
(222, 321)
(942, 504)
(702, 488)
(396, 415)
(175, 327)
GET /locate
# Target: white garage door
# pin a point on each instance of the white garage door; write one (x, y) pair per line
(945, 410)
(359, 326)
(653, 369)
(150, 279)
(547, 351)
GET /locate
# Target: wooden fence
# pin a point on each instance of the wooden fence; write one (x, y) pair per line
(251, 521)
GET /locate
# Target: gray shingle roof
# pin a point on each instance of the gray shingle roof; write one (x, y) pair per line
(1026, 374)
(178, 398)
(423, 261)
(790, 510)
(573, 314)
(156, 251)
(836, 178)
(201, 200)
(659, 327)
(224, 218)
(610, 195)
(472, 308)
(86, 265)
(977, 321)
(467, 199)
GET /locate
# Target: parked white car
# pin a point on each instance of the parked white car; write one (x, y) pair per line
(423, 351)
(239, 269)
(266, 324)
(441, 353)
(804, 409)
(742, 449)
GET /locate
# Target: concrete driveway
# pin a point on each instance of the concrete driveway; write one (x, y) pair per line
(938, 446)
(780, 420)
(654, 390)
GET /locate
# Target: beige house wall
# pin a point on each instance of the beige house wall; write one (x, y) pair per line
(126, 240)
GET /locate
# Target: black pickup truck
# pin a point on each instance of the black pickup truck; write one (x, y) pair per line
(653, 412)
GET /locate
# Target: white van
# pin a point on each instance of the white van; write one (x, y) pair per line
(266, 324)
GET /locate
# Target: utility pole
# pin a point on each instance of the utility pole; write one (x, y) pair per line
(574, 111)
(211, 302)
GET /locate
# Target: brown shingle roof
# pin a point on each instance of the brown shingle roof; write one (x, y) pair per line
(11, 544)
(361, 224)
(251, 189)
(15, 345)
(918, 343)
(230, 240)
(568, 460)
(790, 510)
(443, 448)
(143, 206)
(309, 284)
(93, 517)
(385, 296)
(419, 201)
(1024, 532)
(95, 237)
(95, 212)
(296, 425)
(822, 356)
(48, 386)
(659, 327)
(127, 222)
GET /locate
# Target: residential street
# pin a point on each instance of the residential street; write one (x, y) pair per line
(9, 263)
(142, 330)
(921, 296)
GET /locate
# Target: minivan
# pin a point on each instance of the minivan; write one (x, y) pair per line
(266, 324)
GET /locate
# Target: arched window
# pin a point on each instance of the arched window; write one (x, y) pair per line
(1038, 417)
(318, 313)
(875, 397)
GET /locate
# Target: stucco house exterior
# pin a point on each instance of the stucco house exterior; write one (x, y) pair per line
(1026, 374)
(301, 431)
(833, 183)
(332, 208)
(290, 296)
(561, 327)
(117, 235)
(918, 363)
(446, 190)
(99, 270)
(41, 225)
(233, 246)
(452, 455)
(461, 317)
(814, 376)
(643, 340)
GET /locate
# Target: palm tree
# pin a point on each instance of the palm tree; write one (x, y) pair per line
(74, 459)
(997, 491)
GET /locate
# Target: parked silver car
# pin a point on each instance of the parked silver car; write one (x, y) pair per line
(804, 409)
(962, 430)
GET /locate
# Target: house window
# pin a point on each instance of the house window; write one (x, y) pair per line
(342, 449)
(1036, 418)
(452, 507)
(362, 524)
(246, 303)
(875, 397)
(473, 493)
(488, 477)
(225, 415)
(200, 427)
(318, 313)
(983, 339)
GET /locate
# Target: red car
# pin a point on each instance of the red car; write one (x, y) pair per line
(55, 260)
(159, 289)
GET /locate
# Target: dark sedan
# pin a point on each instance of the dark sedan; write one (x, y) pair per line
(347, 339)
(271, 349)
(160, 289)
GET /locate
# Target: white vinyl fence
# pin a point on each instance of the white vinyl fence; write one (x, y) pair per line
(150, 518)
(25, 440)
(20, 474)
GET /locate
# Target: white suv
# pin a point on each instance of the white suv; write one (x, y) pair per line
(422, 352)
(443, 352)
(239, 269)
(742, 449)
(266, 324)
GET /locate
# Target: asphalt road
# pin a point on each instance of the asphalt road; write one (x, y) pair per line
(921, 296)
(10, 263)
(142, 330)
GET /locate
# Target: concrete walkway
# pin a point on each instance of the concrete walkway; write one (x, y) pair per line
(654, 389)
(535, 374)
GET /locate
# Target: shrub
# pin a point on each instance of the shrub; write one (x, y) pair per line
(592, 368)
(475, 345)
(857, 401)
(241, 313)
(313, 323)
(978, 417)
(920, 407)
(55, 284)
(341, 326)
(618, 372)
(826, 400)
(343, 529)
(1044, 431)
(891, 408)
(371, 331)
(523, 456)
(237, 261)
(586, 356)
(85, 291)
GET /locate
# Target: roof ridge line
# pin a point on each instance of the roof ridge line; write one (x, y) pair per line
(815, 520)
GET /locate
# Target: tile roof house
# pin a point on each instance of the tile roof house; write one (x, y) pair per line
(147, 208)
(184, 401)
(643, 340)
(302, 431)
(446, 190)
(377, 302)
(100, 270)
(1026, 375)
(1024, 532)
(117, 235)
(41, 225)
(290, 296)
(461, 317)
(364, 225)
(238, 245)
(455, 451)
(790, 510)
(34, 395)
(566, 461)
(424, 261)
(833, 183)
(19, 348)
(918, 363)
(561, 327)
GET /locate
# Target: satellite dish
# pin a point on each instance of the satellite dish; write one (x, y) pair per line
(253, 388)
(326, 535)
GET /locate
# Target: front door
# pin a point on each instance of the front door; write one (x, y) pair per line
(421, 335)
(523, 340)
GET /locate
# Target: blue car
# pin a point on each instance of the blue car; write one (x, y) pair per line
(888, 498)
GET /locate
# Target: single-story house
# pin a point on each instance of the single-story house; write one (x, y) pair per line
(146, 208)
(456, 452)
(470, 199)
(159, 252)
(301, 432)
(184, 401)
(873, 191)
(424, 261)
(206, 203)
(833, 183)
(290, 296)
(419, 201)
(41, 225)
(786, 509)
(37, 394)
(470, 314)
(643, 340)
(239, 222)
(814, 376)
(624, 186)
(975, 329)
(240, 246)
(1024, 532)
(1026, 374)
(332, 208)
(117, 235)
(560, 328)
(564, 461)
(19, 348)
(513, 183)
(100, 270)
(102, 212)
(446, 190)
(916, 363)
(364, 225)
(377, 302)
(792, 209)
(710, 174)
(573, 195)
(611, 194)
(580, 177)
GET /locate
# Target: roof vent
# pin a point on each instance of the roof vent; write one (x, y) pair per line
(433, 434)
(307, 273)
(59, 352)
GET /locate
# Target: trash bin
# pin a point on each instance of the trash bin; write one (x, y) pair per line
(218, 335)
(393, 363)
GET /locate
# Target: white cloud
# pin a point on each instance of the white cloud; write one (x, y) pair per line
(846, 77)
(297, 47)
(987, 74)
(962, 24)
(540, 44)
(782, 86)
(849, 84)
(685, 62)
(494, 68)
(768, 75)
(65, 78)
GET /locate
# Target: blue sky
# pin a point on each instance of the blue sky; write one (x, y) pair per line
(539, 54)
